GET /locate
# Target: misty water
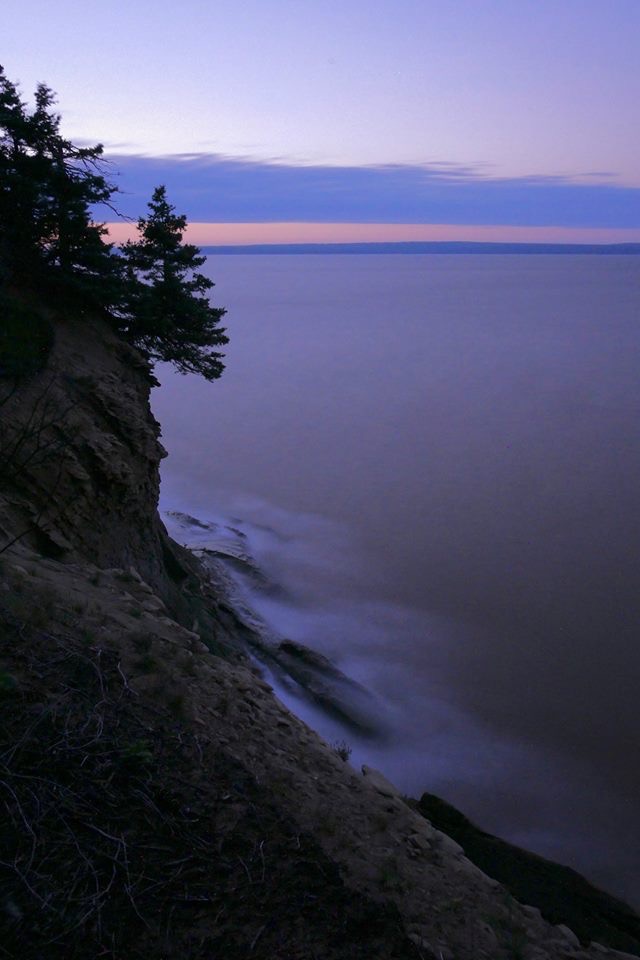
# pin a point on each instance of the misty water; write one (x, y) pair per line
(437, 459)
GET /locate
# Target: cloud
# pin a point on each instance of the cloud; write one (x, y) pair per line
(217, 188)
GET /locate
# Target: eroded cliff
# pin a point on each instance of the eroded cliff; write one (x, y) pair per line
(158, 799)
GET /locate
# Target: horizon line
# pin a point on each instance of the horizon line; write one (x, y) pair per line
(424, 247)
(232, 233)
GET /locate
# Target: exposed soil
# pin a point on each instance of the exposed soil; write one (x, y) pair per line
(126, 835)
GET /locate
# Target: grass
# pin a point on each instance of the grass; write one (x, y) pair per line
(129, 834)
(341, 749)
(8, 685)
(138, 753)
(147, 663)
(389, 878)
(510, 930)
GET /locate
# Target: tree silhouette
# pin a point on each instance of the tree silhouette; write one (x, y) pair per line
(18, 185)
(168, 314)
(51, 246)
(48, 187)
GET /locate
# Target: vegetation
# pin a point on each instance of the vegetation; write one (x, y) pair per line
(168, 314)
(150, 292)
(342, 749)
(26, 337)
(126, 832)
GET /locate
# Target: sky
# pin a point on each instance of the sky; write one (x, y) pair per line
(287, 119)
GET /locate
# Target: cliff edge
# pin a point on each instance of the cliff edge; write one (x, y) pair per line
(159, 801)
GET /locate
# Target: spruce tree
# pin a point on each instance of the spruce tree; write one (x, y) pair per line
(152, 294)
(168, 313)
(19, 242)
(48, 189)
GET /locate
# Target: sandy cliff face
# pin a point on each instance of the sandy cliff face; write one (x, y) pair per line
(83, 452)
(161, 801)
(88, 477)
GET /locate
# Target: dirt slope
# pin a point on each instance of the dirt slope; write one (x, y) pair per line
(157, 799)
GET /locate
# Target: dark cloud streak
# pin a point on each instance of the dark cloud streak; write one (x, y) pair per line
(216, 188)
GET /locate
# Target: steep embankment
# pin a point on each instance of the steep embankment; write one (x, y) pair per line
(158, 799)
(82, 479)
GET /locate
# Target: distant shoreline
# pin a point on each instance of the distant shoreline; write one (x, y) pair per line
(428, 247)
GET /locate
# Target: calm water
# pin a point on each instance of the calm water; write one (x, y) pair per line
(446, 450)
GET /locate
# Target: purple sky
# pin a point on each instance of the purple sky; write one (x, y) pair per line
(458, 113)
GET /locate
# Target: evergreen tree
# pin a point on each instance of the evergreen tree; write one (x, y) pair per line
(18, 185)
(168, 313)
(152, 294)
(48, 187)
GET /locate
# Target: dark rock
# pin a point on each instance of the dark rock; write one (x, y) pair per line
(310, 658)
(329, 687)
(561, 894)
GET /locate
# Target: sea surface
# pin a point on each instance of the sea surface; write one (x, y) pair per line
(436, 459)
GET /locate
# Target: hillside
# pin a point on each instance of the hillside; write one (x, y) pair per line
(158, 799)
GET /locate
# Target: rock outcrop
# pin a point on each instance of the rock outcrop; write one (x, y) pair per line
(158, 799)
(561, 894)
(84, 476)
